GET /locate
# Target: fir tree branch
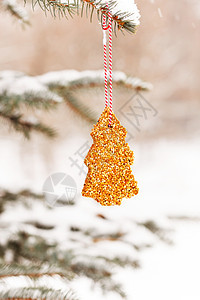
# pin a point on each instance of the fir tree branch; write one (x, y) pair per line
(24, 196)
(184, 218)
(30, 100)
(33, 293)
(24, 126)
(121, 261)
(100, 275)
(84, 111)
(10, 102)
(8, 196)
(48, 259)
(33, 275)
(132, 83)
(91, 79)
(158, 231)
(9, 111)
(50, 89)
(113, 287)
(120, 20)
(15, 10)
(34, 271)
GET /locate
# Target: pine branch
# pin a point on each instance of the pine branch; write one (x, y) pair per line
(11, 102)
(9, 111)
(100, 275)
(18, 122)
(184, 218)
(158, 231)
(24, 196)
(109, 236)
(72, 80)
(50, 89)
(121, 261)
(8, 196)
(33, 293)
(62, 84)
(120, 20)
(132, 83)
(81, 109)
(84, 111)
(113, 287)
(48, 260)
(15, 10)
(32, 271)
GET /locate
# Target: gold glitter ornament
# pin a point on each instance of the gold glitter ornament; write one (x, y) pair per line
(109, 177)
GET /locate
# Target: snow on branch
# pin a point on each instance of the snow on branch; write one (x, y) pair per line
(125, 14)
(16, 10)
(73, 78)
(19, 84)
(127, 8)
(46, 91)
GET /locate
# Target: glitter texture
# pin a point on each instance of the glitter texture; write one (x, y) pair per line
(109, 177)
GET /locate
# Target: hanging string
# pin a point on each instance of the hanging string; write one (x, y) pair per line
(105, 60)
(110, 65)
(110, 61)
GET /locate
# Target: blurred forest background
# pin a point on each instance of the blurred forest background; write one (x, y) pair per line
(150, 241)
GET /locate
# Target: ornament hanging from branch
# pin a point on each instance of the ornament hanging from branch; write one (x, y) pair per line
(109, 177)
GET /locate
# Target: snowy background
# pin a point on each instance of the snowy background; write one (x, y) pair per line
(164, 52)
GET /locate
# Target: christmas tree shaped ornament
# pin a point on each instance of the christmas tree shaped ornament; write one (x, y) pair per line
(109, 177)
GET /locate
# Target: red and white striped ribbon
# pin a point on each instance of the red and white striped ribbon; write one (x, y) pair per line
(105, 60)
(110, 61)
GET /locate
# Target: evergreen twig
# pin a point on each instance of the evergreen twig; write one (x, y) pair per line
(50, 91)
(15, 10)
(24, 126)
(80, 108)
(33, 293)
(34, 271)
(9, 111)
(30, 100)
(156, 230)
(120, 21)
